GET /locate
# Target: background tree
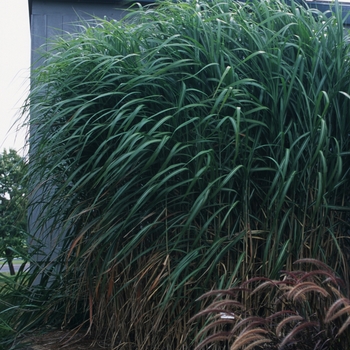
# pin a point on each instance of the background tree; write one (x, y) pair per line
(13, 203)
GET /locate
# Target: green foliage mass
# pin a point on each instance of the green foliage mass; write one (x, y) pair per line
(186, 147)
(13, 204)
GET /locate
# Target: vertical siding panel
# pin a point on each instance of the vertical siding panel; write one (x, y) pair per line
(38, 37)
(54, 24)
(69, 23)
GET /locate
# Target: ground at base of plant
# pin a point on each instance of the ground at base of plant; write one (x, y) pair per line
(58, 339)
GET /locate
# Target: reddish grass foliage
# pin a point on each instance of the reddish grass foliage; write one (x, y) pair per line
(305, 309)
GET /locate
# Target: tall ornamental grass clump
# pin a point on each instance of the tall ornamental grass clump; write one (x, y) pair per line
(187, 147)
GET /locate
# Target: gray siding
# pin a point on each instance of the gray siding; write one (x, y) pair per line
(50, 18)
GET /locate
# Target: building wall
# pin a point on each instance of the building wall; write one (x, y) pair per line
(49, 18)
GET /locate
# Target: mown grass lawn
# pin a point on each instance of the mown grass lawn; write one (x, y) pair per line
(15, 261)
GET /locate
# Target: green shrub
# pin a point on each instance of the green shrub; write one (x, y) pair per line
(184, 148)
